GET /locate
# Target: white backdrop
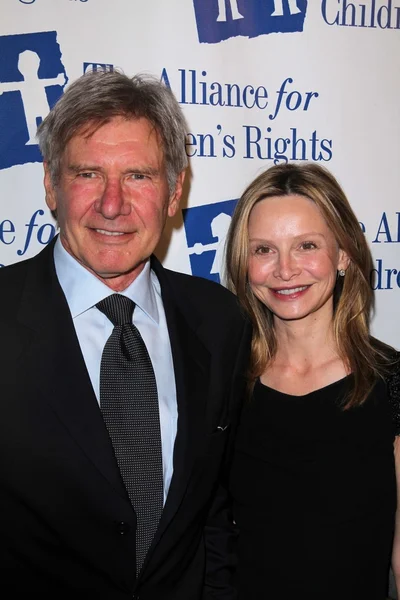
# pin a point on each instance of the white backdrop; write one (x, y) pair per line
(260, 81)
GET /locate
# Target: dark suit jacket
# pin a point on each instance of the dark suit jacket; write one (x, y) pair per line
(67, 529)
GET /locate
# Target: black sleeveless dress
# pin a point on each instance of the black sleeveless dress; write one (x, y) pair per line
(315, 494)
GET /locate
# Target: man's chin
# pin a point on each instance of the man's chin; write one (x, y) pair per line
(117, 279)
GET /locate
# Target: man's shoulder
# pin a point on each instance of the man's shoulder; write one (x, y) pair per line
(201, 287)
(12, 276)
(12, 284)
(13, 281)
(211, 303)
(10, 271)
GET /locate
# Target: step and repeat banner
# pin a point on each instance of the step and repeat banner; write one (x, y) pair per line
(261, 82)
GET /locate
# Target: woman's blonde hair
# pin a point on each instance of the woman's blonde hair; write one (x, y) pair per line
(364, 356)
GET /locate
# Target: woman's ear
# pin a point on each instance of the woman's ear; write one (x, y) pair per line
(344, 261)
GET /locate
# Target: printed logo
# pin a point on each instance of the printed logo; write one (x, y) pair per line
(382, 14)
(32, 78)
(95, 67)
(218, 20)
(206, 228)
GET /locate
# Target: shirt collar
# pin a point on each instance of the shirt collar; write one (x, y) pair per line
(83, 290)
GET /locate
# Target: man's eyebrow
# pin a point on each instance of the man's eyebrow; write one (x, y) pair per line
(143, 170)
(75, 168)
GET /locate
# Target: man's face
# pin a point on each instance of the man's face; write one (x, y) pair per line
(112, 199)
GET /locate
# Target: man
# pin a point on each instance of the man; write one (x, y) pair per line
(114, 427)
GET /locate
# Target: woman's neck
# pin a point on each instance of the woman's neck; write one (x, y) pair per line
(305, 343)
(307, 357)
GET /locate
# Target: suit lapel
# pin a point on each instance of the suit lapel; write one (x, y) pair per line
(58, 367)
(191, 365)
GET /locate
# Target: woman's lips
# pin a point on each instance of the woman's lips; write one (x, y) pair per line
(290, 293)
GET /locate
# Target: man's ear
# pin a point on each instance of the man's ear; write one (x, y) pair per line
(49, 187)
(175, 197)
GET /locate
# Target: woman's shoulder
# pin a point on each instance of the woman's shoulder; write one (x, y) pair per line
(388, 366)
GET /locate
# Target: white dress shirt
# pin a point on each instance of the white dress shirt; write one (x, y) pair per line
(83, 291)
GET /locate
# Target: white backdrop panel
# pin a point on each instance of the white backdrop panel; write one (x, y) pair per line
(319, 79)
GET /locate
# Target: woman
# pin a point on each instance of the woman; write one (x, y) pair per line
(313, 477)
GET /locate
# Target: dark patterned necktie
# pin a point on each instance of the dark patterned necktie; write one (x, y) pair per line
(129, 404)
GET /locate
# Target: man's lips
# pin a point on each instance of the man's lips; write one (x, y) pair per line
(111, 233)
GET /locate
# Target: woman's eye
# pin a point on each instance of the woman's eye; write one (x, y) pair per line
(262, 250)
(308, 246)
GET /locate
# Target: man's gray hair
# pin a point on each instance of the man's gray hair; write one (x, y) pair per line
(95, 98)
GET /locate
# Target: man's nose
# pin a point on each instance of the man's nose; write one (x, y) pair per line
(112, 202)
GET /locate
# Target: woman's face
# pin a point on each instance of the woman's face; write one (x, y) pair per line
(293, 258)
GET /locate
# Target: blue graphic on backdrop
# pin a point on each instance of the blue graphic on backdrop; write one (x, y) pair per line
(90, 67)
(32, 78)
(206, 228)
(218, 20)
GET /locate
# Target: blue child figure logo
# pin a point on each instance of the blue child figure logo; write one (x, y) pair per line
(234, 10)
(218, 20)
(206, 229)
(32, 78)
(278, 8)
(33, 90)
(219, 228)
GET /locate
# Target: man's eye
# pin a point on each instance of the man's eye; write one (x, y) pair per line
(87, 175)
(138, 176)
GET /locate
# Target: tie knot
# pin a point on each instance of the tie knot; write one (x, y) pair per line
(117, 308)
